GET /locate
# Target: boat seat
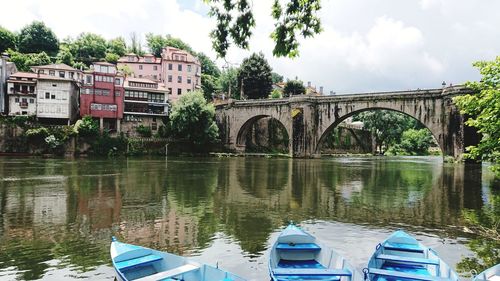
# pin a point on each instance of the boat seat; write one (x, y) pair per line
(407, 259)
(298, 247)
(170, 273)
(311, 271)
(405, 275)
(136, 262)
(402, 247)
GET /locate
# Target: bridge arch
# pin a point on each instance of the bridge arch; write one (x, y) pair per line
(435, 133)
(244, 129)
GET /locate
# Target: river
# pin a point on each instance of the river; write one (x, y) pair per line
(57, 215)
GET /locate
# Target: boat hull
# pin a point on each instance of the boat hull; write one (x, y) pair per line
(490, 274)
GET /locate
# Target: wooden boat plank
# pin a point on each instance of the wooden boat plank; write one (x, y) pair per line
(405, 275)
(407, 259)
(170, 273)
(312, 271)
(126, 264)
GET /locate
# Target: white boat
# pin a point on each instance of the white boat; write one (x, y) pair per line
(297, 255)
(490, 274)
(138, 263)
(402, 257)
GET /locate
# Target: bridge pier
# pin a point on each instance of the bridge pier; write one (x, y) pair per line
(309, 119)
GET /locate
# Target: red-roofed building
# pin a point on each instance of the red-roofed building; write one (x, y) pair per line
(102, 95)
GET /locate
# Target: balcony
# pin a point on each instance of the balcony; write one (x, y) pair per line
(23, 104)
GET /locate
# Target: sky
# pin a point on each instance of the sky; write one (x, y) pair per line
(365, 46)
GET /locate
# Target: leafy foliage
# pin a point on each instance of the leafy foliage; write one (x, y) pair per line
(65, 56)
(294, 87)
(144, 131)
(112, 58)
(386, 126)
(117, 46)
(88, 47)
(208, 86)
(235, 21)
(192, 120)
(207, 65)
(485, 223)
(25, 61)
(228, 83)
(484, 110)
(254, 77)
(277, 78)
(275, 94)
(156, 43)
(87, 127)
(7, 40)
(37, 38)
(413, 142)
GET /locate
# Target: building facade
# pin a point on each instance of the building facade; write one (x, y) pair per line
(59, 70)
(21, 93)
(102, 95)
(178, 70)
(148, 66)
(6, 69)
(181, 72)
(57, 99)
(146, 103)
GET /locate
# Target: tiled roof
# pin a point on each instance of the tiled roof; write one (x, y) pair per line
(103, 63)
(57, 66)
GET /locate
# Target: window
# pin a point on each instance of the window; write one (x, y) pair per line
(155, 77)
(170, 66)
(87, 91)
(61, 74)
(179, 79)
(189, 80)
(169, 90)
(54, 85)
(32, 100)
(16, 100)
(117, 93)
(176, 57)
(47, 95)
(117, 81)
(179, 67)
(179, 92)
(189, 68)
(71, 75)
(140, 76)
(155, 67)
(52, 72)
(140, 67)
(88, 79)
(170, 78)
(53, 97)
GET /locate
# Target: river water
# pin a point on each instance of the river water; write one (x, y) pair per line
(57, 215)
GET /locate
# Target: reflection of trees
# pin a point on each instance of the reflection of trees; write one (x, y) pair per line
(262, 178)
(485, 223)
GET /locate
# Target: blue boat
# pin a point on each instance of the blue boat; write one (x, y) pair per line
(138, 263)
(297, 255)
(402, 257)
(490, 274)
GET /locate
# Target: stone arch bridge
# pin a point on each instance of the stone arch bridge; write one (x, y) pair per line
(308, 119)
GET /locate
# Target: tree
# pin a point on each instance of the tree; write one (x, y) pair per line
(117, 46)
(294, 87)
(235, 22)
(23, 62)
(276, 94)
(207, 65)
(386, 126)
(155, 44)
(65, 56)
(484, 111)
(135, 44)
(276, 77)
(177, 43)
(254, 77)
(87, 127)
(416, 142)
(88, 47)
(228, 83)
(36, 38)
(111, 57)
(7, 40)
(192, 120)
(208, 86)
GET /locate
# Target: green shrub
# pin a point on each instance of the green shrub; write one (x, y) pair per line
(144, 131)
(86, 127)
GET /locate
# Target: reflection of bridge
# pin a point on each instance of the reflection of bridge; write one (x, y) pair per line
(309, 119)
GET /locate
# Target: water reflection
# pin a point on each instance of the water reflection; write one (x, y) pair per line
(60, 214)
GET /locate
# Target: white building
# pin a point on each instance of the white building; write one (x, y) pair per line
(57, 99)
(6, 69)
(60, 70)
(21, 92)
